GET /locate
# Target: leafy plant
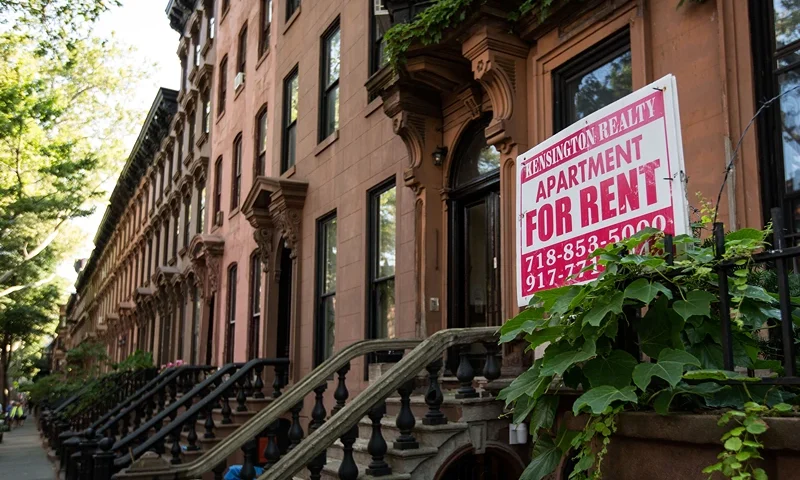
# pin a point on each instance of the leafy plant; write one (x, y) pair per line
(137, 360)
(674, 309)
(741, 442)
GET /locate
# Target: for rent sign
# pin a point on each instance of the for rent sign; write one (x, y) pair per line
(613, 173)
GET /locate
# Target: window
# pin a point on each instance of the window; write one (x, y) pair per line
(291, 7)
(236, 177)
(231, 317)
(176, 235)
(217, 187)
(180, 150)
(192, 119)
(195, 324)
(255, 306)
(201, 207)
(171, 167)
(261, 142)
(187, 220)
(160, 174)
(182, 327)
(223, 84)
(290, 89)
(226, 4)
(266, 23)
(184, 74)
(326, 288)
(241, 57)
(381, 226)
(377, 46)
(156, 247)
(197, 52)
(776, 55)
(212, 22)
(166, 242)
(596, 78)
(329, 84)
(206, 112)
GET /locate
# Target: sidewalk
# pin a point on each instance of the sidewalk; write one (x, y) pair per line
(22, 456)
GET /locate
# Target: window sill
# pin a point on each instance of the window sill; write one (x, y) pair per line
(233, 213)
(262, 58)
(289, 172)
(239, 91)
(176, 176)
(206, 47)
(372, 106)
(219, 116)
(183, 251)
(292, 19)
(202, 139)
(224, 15)
(173, 261)
(327, 142)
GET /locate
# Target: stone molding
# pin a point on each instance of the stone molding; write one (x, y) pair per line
(205, 252)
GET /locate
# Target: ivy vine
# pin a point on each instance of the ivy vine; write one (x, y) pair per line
(429, 26)
(679, 333)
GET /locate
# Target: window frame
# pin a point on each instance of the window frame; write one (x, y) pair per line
(320, 339)
(241, 50)
(236, 172)
(230, 312)
(206, 120)
(265, 19)
(373, 212)
(217, 187)
(176, 234)
(260, 163)
(190, 124)
(288, 124)
(291, 7)
(325, 89)
(590, 59)
(201, 207)
(374, 44)
(187, 220)
(254, 297)
(165, 252)
(222, 88)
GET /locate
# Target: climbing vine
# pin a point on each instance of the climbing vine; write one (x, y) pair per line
(673, 306)
(430, 25)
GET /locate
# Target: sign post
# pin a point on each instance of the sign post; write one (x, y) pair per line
(604, 178)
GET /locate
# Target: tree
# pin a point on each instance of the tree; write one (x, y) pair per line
(64, 121)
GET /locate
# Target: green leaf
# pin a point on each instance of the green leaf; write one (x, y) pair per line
(558, 364)
(522, 408)
(717, 375)
(530, 383)
(598, 399)
(669, 367)
(758, 293)
(783, 407)
(543, 414)
(545, 458)
(615, 369)
(602, 307)
(548, 298)
(759, 474)
(756, 427)
(526, 321)
(643, 260)
(543, 335)
(645, 291)
(659, 329)
(697, 302)
(733, 444)
(585, 463)
(750, 234)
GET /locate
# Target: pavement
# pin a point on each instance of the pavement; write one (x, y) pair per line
(22, 456)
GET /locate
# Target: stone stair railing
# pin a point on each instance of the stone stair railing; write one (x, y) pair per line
(263, 422)
(344, 420)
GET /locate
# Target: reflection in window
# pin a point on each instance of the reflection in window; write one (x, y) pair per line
(475, 158)
(331, 59)
(255, 306)
(383, 222)
(290, 93)
(377, 46)
(787, 22)
(261, 142)
(596, 78)
(326, 288)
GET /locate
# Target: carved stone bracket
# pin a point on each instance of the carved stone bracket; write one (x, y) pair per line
(206, 254)
(498, 61)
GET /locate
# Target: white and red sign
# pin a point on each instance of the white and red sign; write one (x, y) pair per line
(606, 177)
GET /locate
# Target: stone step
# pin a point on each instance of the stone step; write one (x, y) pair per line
(401, 461)
(452, 407)
(331, 472)
(427, 435)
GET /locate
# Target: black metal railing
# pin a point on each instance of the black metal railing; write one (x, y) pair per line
(72, 447)
(233, 381)
(780, 258)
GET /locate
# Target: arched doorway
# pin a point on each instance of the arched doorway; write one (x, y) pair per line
(494, 464)
(474, 259)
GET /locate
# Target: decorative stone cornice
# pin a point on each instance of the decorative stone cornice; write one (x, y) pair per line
(189, 100)
(204, 75)
(276, 205)
(199, 168)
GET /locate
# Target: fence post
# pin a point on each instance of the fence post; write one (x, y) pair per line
(724, 299)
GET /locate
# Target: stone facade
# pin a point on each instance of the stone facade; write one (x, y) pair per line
(259, 261)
